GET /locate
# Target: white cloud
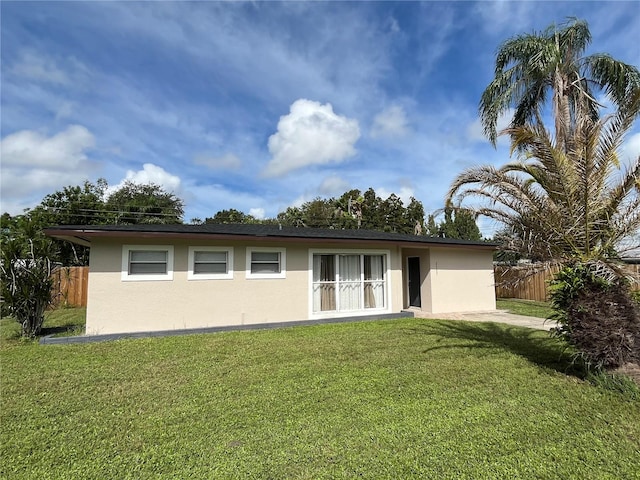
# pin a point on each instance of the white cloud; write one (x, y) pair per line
(35, 66)
(630, 151)
(228, 161)
(64, 150)
(261, 56)
(503, 16)
(311, 134)
(391, 123)
(150, 173)
(66, 110)
(475, 132)
(38, 67)
(405, 193)
(33, 165)
(394, 26)
(301, 199)
(257, 213)
(333, 185)
(22, 189)
(205, 200)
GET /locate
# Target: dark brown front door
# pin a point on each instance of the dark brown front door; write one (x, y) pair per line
(414, 281)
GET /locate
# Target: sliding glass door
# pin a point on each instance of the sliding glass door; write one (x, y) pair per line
(324, 283)
(374, 281)
(348, 282)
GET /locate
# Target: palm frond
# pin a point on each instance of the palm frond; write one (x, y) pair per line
(616, 78)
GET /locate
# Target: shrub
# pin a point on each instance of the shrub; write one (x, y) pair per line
(26, 283)
(635, 296)
(615, 382)
(597, 316)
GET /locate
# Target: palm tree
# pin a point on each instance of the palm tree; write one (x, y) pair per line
(531, 67)
(572, 207)
(560, 205)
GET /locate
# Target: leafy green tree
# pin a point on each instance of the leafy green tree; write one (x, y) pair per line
(457, 223)
(392, 210)
(509, 252)
(372, 215)
(73, 205)
(354, 209)
(414, 215)
(291, 217)
(348, 210)
(433, 229)
(532, 68)
(231, 216)
(460, 223)
(86, 205)
(320, 213)
(135, 203)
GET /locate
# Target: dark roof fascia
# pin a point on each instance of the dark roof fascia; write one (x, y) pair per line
(631, 260)
(67, 236)
(83, 234)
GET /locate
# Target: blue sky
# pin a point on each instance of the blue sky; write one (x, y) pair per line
(260, 106)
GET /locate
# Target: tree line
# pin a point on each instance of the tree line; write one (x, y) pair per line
(87, 204)
(132, 203)
(355, 209)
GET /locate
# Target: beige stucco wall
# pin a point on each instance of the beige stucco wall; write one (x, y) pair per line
(116, 306)
(461, 280)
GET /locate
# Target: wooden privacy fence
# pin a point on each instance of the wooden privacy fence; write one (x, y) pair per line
(526, 283)
(70, 286)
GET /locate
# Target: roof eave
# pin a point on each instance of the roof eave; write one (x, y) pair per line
(78, 240)
(84, 236)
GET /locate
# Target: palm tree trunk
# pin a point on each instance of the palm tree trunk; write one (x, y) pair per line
(562, 110)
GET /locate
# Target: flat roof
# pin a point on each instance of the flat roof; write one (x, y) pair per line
(82, 234)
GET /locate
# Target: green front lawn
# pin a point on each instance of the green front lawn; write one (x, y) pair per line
(529, 308)
(407, 398)
(59, 322)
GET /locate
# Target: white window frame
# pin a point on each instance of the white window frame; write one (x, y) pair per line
(191, 275)
(362, 311)
(127, 277)
(283, 262)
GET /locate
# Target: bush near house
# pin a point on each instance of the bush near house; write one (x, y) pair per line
(598, 317)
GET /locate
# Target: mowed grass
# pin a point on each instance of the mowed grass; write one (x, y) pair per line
(393, 399)
(59, 322)
(529, 308)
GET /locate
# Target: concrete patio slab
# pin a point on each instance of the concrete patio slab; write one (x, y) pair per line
(498, 316)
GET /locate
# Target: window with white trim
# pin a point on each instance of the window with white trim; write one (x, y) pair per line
(147, 262)
(266, 263)
(349, 282)
(210, 263)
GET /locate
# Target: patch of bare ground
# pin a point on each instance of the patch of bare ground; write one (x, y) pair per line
(632, 370)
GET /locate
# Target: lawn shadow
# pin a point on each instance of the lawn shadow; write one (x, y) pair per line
(55, 330)
(535, 345)
(62, 331)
